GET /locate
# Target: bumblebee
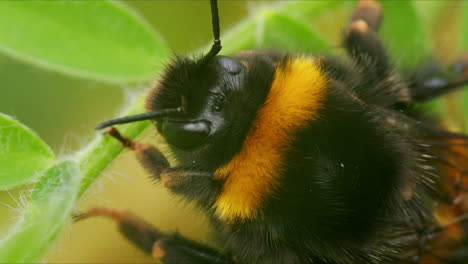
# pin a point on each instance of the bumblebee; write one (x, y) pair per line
(300, 158)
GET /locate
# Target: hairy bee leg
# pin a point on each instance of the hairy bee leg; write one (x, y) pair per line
(175, 249)
(192, 184)
(426, 84)
(150, 157)
(363, 45)
(177, 179)
(370, 11)
(169, 248)
(133, 228)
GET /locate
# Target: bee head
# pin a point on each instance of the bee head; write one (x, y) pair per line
(188, 125)
(207, 101)
(201, 90)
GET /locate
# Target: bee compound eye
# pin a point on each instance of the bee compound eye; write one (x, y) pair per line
(185, 134)
(230, 65)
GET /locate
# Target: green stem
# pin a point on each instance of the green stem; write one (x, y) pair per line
(104, 149)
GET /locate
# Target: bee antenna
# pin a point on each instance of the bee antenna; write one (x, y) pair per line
(146, 116)
(217, 42)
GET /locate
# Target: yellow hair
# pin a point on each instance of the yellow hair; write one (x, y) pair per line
(252, 175)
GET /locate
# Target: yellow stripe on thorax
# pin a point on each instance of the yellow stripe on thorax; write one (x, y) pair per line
(252, 175)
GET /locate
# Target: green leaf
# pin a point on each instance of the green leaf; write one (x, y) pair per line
(309, 9)
(326, 17)
(428, 10)
(464, 12)
(241, 37)
(463, 49)
(51, 204)
(22, 154)
(270, 28)
(288, 34)
(101, 40)
(404, 33)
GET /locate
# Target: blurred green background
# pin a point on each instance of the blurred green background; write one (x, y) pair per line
(64, 111)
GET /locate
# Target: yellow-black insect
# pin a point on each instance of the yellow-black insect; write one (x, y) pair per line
(306, 159)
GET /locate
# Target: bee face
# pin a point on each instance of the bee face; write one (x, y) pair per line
(202, 90)
(220, 99)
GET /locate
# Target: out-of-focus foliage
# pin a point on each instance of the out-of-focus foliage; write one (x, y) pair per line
(100, 40)
(23, 155)
(49, 208)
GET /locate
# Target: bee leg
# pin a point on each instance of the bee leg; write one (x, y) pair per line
(430, 81)
(150, 157)
(196, 185)
(363, 45)
(134, 229)
(178, 180)
(168, 248)
(370, 11)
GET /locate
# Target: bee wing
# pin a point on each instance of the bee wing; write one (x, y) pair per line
(435, 226)
(444, 236)
(451, 211)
